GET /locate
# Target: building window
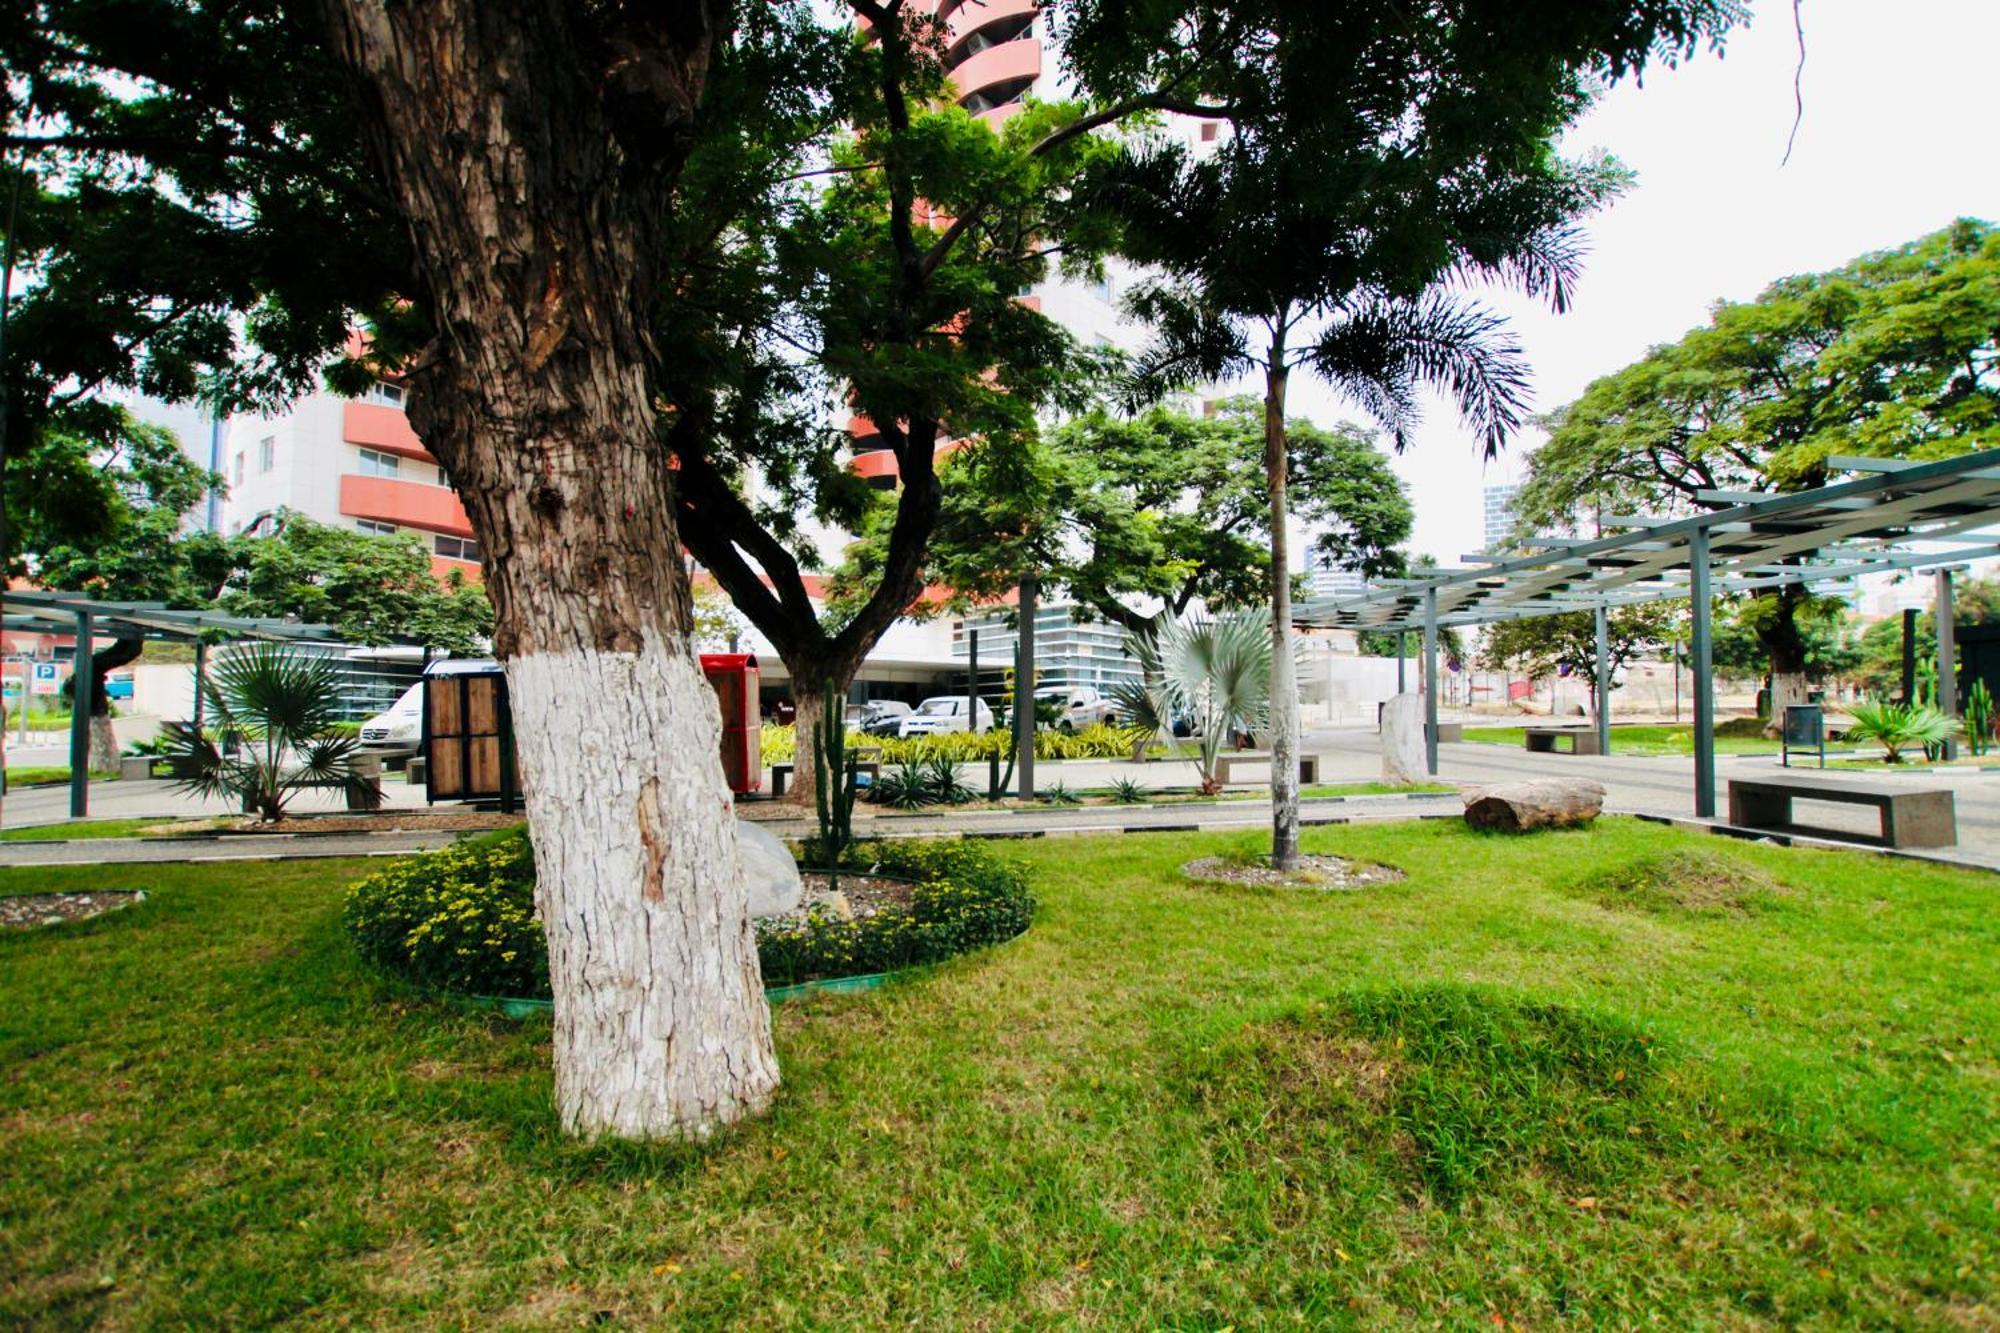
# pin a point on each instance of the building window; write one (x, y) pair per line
(377, 464)
(374, 529)
(444, 477)
(267, 453)
(388, 395)
(236, 473)
(1209, 129)
(457, 548)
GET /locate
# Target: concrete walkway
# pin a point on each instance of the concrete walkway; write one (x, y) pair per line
(1657, 787)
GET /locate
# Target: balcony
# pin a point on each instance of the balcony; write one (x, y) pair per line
(965, 19)
(410, 504)
(1001, 72)
(877, 467)
(374, 426)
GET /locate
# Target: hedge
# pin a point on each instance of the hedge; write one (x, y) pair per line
(463, 920)
(780, 745)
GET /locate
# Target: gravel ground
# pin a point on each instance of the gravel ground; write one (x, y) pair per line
(1313, 872)
(26, 911)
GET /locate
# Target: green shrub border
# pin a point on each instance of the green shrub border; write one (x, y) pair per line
(965, 897)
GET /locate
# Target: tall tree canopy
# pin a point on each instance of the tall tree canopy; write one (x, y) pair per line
(1896, 354)
(1132, 516)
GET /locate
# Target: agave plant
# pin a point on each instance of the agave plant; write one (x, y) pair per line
(1896, 726)
(277, 706)
(1215, 672)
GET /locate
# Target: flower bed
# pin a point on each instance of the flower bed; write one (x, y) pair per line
(462, 919)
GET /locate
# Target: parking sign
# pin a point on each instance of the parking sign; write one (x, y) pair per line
(46, 680)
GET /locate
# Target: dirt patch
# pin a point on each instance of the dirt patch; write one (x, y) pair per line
(1691, 880)
(1331, 874)
(28, 911)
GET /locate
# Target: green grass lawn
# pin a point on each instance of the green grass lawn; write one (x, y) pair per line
(44, 775)
(1637, 739)
(83, 830)
(1620, 1076)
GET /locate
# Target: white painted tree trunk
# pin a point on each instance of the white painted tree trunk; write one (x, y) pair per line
(103, 744)
(1787, 688)
(660, 1020)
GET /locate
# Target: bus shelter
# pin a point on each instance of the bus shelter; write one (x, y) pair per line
(1887, 516)
(36, 612)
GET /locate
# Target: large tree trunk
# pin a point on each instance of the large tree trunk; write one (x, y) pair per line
(1284, 681)
(1780, 637)
(103, 737)
(496, 125)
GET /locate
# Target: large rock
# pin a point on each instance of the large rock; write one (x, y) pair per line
(769, 871)
(1516, 807)
(1403, 740)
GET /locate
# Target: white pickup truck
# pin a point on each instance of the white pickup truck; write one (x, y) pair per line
(1082, 706)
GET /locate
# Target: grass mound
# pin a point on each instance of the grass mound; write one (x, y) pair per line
(1444, 1089)
(1741, 728)
(1682, 879)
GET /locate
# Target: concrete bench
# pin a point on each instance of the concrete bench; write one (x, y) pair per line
(1308, 764)
(136, 766)
(1911, 816)
(781, 774)
(1450, 731)
(1582, 740)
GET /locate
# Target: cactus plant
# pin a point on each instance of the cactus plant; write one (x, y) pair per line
(833, 795)
(1978, 718)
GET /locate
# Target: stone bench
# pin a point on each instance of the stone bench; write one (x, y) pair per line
(1582, 740)
(1911, 816)
(1308, 764)
(137, 766)
(1450, 731)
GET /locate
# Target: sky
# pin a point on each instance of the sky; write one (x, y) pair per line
(1895, 143)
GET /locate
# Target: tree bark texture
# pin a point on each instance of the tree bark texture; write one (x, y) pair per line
(103, 737)
(1284, 676)
(504, 130)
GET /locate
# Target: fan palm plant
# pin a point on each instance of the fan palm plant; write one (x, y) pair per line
(1216, 673)
(277, 706)
(1895, 726)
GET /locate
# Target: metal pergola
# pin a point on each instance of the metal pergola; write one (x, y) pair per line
(34, 612)
(1895, 515)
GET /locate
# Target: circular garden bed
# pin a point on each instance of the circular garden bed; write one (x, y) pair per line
(462, 920)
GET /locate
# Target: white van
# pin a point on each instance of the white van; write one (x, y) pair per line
(398, 733)
(943, 712)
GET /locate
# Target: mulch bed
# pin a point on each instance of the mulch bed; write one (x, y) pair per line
(860, 896)
(28, 911)
(1326, 873)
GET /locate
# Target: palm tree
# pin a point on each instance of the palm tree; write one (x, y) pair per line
(1215, 672)
(1347, 267)
(277, 706)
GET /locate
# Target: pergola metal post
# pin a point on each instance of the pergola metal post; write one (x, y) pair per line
(972, 679)
(1702, 646)
(1947, 656)
(1909, 655)
(1431, 681)
(1024, 691)
(1603, 681)
(79, 720)
(1402, 657)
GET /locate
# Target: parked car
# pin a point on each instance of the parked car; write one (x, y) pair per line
(399, 732)
(882, 717)
(942, 713)
(1081, 705)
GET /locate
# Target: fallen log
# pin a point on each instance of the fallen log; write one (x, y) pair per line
(1517, 807)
